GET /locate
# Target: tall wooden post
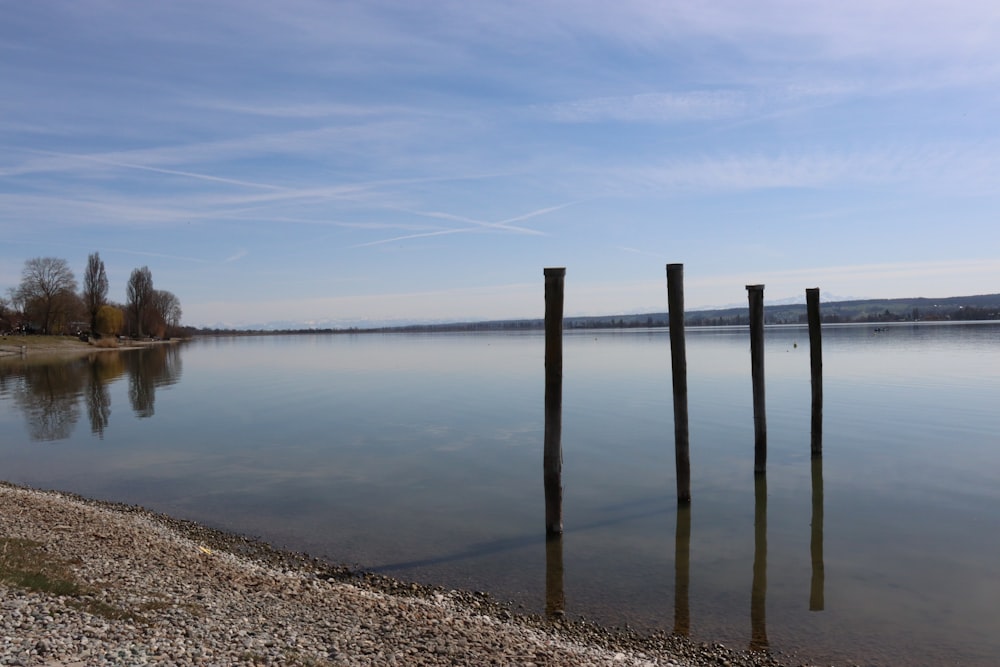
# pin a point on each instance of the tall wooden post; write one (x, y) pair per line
(678, 363)
(554, 280)
(816, 368)
(755, 293)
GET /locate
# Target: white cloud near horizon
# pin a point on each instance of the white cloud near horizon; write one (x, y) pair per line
(586, 298)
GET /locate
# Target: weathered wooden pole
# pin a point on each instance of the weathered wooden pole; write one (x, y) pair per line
(678, 364)
(682, 570)
(755, 293)
(816, 368)
(758, 591)
(554, 280)
(816, 539)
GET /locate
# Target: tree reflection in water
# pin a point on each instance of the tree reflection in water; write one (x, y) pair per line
(49, 392)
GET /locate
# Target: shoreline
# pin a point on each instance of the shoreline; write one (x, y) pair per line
(53, 347)
(159, 590)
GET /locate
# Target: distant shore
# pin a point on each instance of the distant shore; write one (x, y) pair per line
(121, 585)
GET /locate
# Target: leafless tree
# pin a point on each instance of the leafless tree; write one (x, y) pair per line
(47, 292)
(95, 288)
(167, 309)
(4, 314)
(140, 297)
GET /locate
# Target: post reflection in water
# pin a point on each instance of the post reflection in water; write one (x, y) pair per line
(682, 570)
(758, 593)
(816, 590)
(816, 540)
(555, 594)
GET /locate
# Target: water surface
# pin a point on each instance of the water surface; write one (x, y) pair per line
(419, 456)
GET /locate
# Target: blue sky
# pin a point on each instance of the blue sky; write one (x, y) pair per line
(340, 162)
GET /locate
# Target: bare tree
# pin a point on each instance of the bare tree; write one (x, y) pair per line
(167, 310)
(15, 313)
(140, 296)
(5, 315)
(47, 292)
(95, 288)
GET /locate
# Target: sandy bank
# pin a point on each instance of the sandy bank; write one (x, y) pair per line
(47, 347)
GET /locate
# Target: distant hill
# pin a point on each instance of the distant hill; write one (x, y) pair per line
(955, 308)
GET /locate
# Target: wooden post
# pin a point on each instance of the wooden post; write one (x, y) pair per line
(554, 280)
(755, 293)
(758, 591)
(682, 570)
(816, 539)
(678, 363)
(816, 368)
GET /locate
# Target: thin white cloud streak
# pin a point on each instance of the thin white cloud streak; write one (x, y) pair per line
(297, 142)
(944, 168)
(306, 110)
(903, 30)
(479, 225)
(104, 210)
(746, 102)
(410, 237)
(651, 107)
(502, 224)
(952, 168)
(440, 215)
(108, 251)
(95, 159)
(538, 212)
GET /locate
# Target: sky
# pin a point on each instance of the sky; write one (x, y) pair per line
(343, 163)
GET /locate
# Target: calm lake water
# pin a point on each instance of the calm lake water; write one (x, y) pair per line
(420, 456)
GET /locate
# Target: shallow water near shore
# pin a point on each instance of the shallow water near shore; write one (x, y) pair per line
(419, 456)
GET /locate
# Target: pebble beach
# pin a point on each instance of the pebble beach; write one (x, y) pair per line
(138, 588)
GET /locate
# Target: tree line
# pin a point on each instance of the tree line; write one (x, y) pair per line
(47, 302)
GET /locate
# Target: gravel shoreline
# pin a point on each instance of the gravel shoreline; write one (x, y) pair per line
(154, 590)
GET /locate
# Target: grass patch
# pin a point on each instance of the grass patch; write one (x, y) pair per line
(41, 341)
(25, 564)
(108, 611)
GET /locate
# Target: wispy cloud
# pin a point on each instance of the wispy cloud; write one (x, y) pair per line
(475, 225)
(944, 167)
(409, 237)
(652, 107)
(66, 159)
